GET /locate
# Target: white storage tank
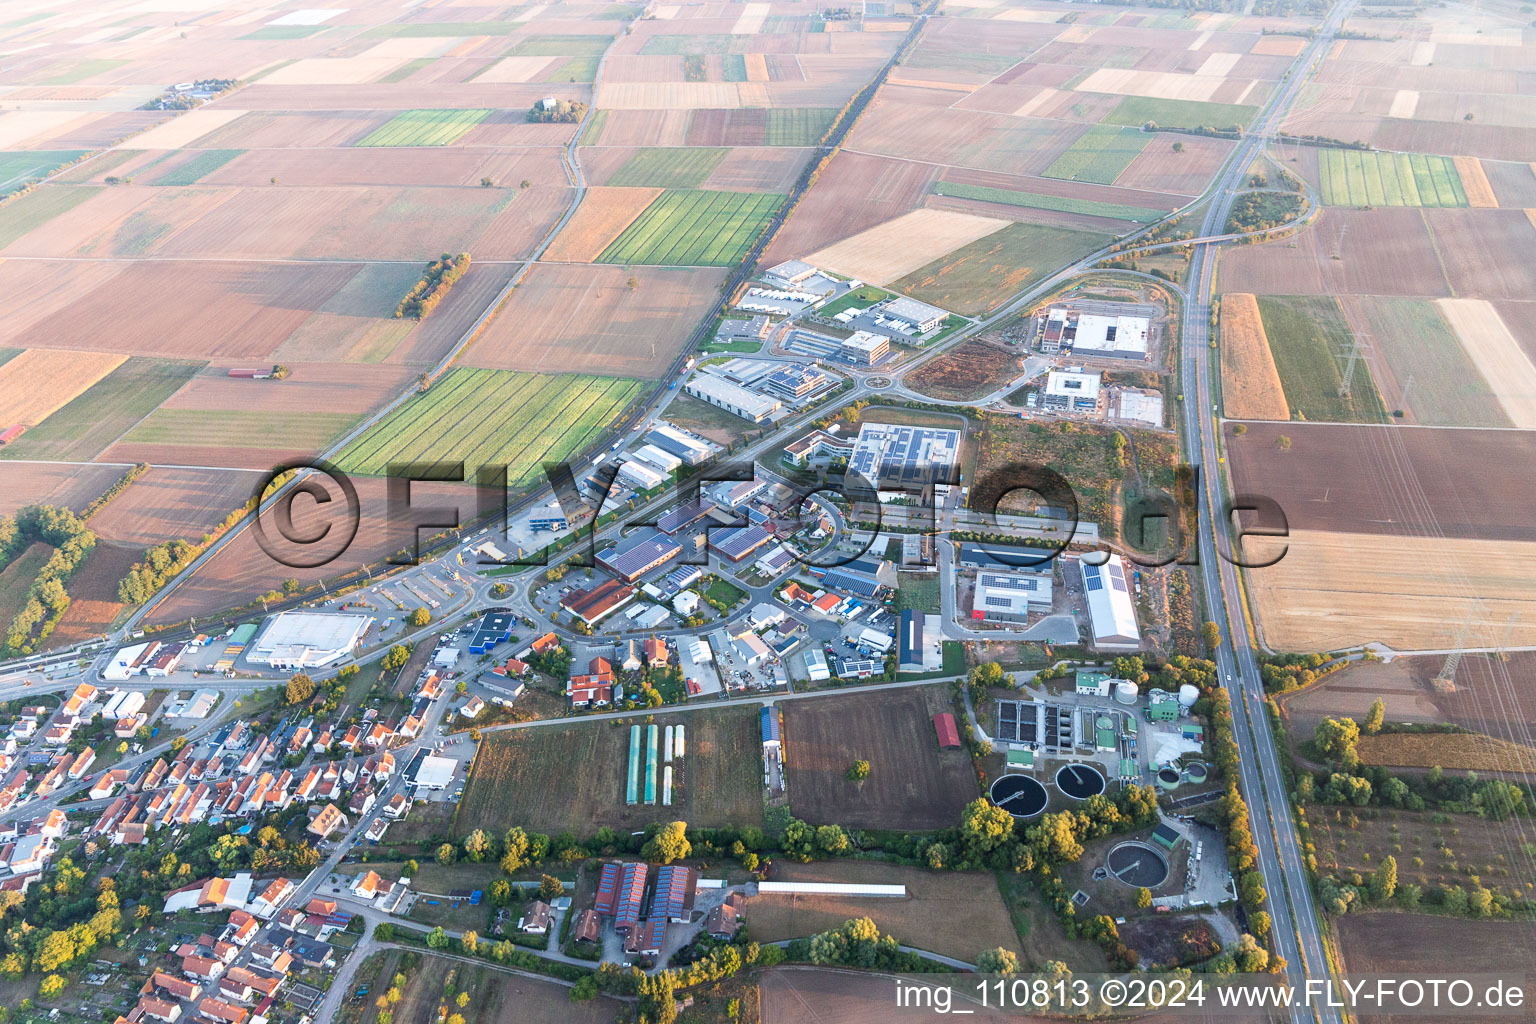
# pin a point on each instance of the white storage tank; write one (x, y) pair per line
(1126, 692)
(1188, 694)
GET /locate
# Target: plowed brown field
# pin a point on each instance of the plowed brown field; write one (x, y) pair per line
(603, 215)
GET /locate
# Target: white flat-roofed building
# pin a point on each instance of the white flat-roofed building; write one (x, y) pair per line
(733, 398)
(657, 459)
(432, 772)
(918, 316)
(1111, 605)
(640, 476)
(294, 640)
(1140, 407)
(891, 455)
(668, 438)
(866, 348)
(789, 273)
(1011, 596)
(1072, 391)
(1112, 337)
(816, 665)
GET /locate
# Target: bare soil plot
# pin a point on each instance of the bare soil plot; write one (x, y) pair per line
(603, 215)
(947, 912)
(168, 503)
(969, 370)
(1159, 169)
(289, 129)
(39, 381)
(1355, 479)
(1425, 945)
(899, 247)
(521, 224)
(124, 221)
(1381, 252)
(1514, 184)
(969, 138)
(1336, 590)
(53, 483)
(1250, 384)
(523, 776)
(767, 169)
(663, 128)
(589, 319)
(1509, 372)
(912, 784)
(163, 308)
(431, 338)
(1475, 180)
(1488, 141)
(854, 997)
(93, 601)
(406, 166)
(1473, 245)
(854, 193)
(241, 571)
(1279, 46)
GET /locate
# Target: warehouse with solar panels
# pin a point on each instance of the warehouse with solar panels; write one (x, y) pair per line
(1111, 605)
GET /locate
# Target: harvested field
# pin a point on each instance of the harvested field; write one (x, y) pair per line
(677, 95)
(16, 578)
(80, 430)
(1100, 154)
(1473, 246)
(1337, 590)
(497, 996)
(38, 207)
(39, 381)
(757, 170)
(694, 228)
(231, 437)
(1425, 945)
(458, 165)
(1353, 178)
(1505, 366)
(855, 997)
(1250, 384)
(1451, 751)
(912, 784)
(1311, 344)
(533, 418)
(425, 128)
(1179, 113)
(969, 370)
(1160, 169)
(183, 130)
(233, 310)
(668, 168)
(52, 483)
(589, 319)
(956, 136)
(906, 244)
(523, 777)
(979, 277)
(603, 215)
(1278, 46)
(1357, 479)
(856, 192)
(168, 503)
(1415, 343)
(1514, 184)
(1381, 252)
(1152, 84)
(951, 913)
(1474, 181)
(432, 338)
(93, 604)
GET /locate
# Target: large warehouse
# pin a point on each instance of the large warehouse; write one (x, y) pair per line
(631, 561)
(1111, 605)
(891, 455)
(733, 398)
(293, 640)
(1011, 596)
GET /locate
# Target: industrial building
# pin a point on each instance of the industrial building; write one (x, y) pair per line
(1071, 391)
(1011, 596)
(1111, 605)
(494, 627)
(657, 458)
(682, 517)
(909, 641)
(631, 561)
(592, 606)
(293, 640)
(997, 556)
(897, 457)
(797, 383)
(789, 274)
(430, 772)
(1106, 330)
(818, 445)
(640, 476)
(551, 517)
(736, 544)
(866, 348)
(918, 317)
(733, 398)
(690, 449)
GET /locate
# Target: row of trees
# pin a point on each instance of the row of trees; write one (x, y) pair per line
(440, 277)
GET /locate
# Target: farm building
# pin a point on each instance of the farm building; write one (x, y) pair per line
(1111, 606)
(817, 445)
(917, 317)
(944, 728)
(676, 888)
(630, 562)
(294, 640)
(10, 434)
(997, 556)
(773, 739)
(594, 605)
(1071, 391)
(733, 398)
(894, 456)
(865, 348)
(668, 438)
(1011, 596)
(494, 627)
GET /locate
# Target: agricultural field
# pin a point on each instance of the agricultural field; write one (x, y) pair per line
(53, 483)
(524, 777)
(1385, 251)
(1500, 359)
(425, 128)
(93, 604)
(854, 193)
(102, 413)
(1451, 751)
(18, 169)
(226, 429)
(1431, 849)
(899, 247)
(1136, 111)
(912, 783)
(493, 417)
(603, 215)
(1429, 945)
(951, 913)
(198, 168)
(17, 576)
(1311, 343)
(26, 213)
(1058, 204)
(39, 381)
(496, 996)
(669, 168)
(1350, 177)
(694, 228)
(1100, 155)
(969, 370)
(977, 278)
(1250, 384)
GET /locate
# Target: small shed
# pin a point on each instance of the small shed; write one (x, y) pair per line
(944, 726)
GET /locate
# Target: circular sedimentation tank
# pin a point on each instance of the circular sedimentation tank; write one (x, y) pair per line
(1020, 795)
(1137, 864)
(1196, 772)
(1079, 781)
(1169, 778)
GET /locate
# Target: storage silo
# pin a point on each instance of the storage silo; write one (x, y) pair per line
(1126, 692)
(1188, 694)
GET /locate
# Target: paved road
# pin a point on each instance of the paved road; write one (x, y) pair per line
(1293, 912)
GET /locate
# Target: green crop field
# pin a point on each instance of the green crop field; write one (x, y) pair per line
(1103, 152)
(734, 67)
(288, 32)
(797, 126)
(7, 354)
(406, 70)
(199, 167)
(577, 69)
(694, 229)
(424, 128)
(1352, 177)
(560, 46)
(240, 428)
(1138, 110)
(1030, 200)
(82, 429)
(37, 208)
(977, 278)
(680, 45)
(597, 120)
(494, 417)
(861, 297)
(18, 169)
(1311, 342)
(1417, 343)
(72, 71)
(669, 168)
